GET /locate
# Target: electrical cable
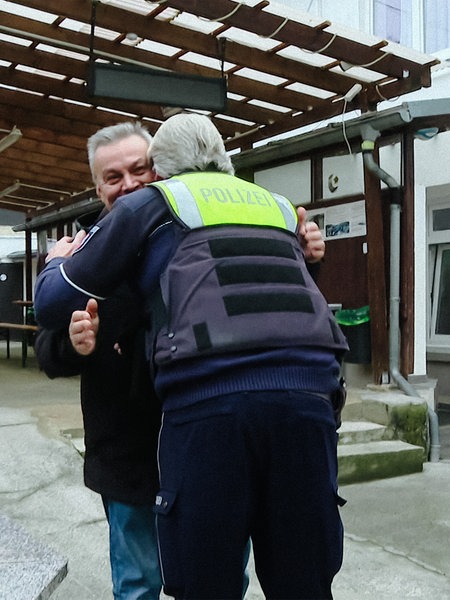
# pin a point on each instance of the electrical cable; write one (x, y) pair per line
(344, 133)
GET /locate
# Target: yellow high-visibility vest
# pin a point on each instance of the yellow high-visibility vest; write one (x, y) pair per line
(201, 199)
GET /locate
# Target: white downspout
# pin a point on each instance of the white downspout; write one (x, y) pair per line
(369, 135)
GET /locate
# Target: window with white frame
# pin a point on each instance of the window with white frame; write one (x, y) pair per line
(439, 270)
(440, 315)
(392, 20)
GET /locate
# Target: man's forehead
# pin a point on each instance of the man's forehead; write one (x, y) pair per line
(121, 153)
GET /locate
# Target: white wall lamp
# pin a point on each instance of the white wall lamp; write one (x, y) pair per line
(10, 139)
(427, 133)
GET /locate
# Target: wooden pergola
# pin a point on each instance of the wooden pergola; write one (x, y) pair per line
(284, 70)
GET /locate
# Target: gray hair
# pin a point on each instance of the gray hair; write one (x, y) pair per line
(188, 142)
(111, 134)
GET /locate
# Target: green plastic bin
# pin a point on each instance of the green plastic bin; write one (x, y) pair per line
(355, 324)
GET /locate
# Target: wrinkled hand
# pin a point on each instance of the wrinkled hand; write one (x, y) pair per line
(66, 246)
(83, 328)
(310, 237)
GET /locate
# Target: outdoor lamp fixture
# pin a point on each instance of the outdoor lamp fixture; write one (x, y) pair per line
(427, 133)
(10, 139)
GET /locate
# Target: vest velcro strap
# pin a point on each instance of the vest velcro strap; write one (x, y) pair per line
(251, 273)
(202, 339)
(243, 304)
(228, 246)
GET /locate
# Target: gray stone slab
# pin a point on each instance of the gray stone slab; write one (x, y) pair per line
(29, 570)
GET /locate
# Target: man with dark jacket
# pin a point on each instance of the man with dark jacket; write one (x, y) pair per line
(121, 413)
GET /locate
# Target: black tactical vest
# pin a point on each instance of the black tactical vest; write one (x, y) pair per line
(235, 287)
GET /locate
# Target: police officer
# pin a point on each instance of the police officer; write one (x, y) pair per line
(245, 356)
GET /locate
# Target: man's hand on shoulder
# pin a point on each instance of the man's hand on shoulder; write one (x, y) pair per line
(65, 246)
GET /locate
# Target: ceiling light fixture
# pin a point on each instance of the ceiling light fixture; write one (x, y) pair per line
(10, 139)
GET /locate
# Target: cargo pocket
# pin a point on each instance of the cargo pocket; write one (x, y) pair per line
(168, 542)
(164, 502)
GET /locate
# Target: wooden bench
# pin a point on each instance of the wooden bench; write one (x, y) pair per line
(25, 329)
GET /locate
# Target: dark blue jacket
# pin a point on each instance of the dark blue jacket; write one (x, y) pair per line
(121, 414)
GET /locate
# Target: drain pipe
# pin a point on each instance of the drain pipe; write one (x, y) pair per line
(369, 135)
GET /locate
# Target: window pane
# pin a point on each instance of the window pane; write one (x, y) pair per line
(387, 19)
(443, 311)
(441, 219)
(392, 20)
(437, 25)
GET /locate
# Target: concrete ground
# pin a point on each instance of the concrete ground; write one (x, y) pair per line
(397, 530)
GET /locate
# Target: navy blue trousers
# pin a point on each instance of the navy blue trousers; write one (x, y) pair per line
(259, 465)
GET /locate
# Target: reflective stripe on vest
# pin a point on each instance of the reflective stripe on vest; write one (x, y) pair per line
(213, 198)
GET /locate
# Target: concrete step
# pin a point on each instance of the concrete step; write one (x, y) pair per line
(353, 409)
(382, 435)
(28, 568)
(382, 459)
(356, 432)
(370, 440)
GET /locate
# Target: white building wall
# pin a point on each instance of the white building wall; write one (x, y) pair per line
(433, 160)
(13, 241)
(420, 282)
(351, 13)
(432, 166)
(343, 176)
(292, 180)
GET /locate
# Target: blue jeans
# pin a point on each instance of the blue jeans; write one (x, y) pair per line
(133, 551)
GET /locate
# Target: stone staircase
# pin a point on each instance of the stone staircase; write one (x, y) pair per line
(384, 433)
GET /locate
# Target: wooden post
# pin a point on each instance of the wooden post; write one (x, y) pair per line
(376, 273)
(28, 266)
(407, 259)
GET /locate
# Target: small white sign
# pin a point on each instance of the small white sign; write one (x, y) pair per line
(341, 221)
